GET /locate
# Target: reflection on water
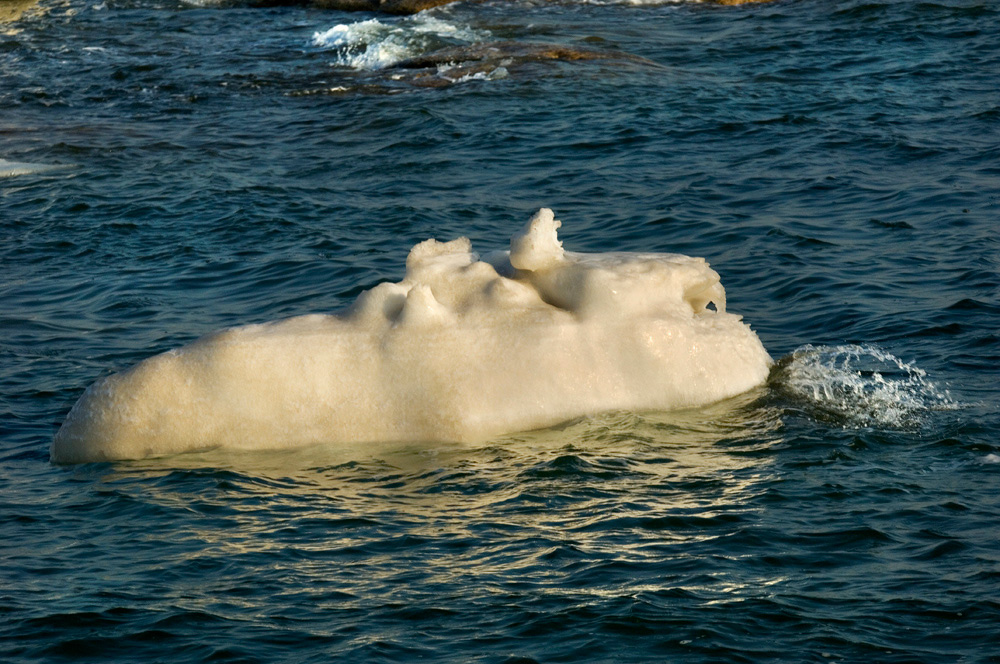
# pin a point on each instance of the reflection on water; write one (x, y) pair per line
(583, 485)
(702, 438)
(600, 514)
(13, 168)
(12, 10)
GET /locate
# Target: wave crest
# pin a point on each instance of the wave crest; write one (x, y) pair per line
(372, 44)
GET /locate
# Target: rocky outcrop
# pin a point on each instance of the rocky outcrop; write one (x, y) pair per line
(403, 6)
(447, 66)
(510, 52)
(384, 6)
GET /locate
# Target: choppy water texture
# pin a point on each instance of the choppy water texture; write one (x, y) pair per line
(836, 162)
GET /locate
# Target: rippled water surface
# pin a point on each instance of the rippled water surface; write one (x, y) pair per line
(170, 168)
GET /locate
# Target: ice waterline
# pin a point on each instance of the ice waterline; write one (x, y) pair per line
(461, 349)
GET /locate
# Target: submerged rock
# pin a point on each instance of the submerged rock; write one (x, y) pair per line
(450, 65)
(739, 2)
(490, 60)
(13, 168)
(509, 52)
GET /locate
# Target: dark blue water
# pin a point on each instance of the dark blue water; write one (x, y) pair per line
(838, 163)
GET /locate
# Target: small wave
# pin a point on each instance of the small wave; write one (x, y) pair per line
(372, 44)
(858, 385)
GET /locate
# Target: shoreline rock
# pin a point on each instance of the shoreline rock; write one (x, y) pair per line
(508, 52)
(407, 7)
(489, 60)
(384, 6)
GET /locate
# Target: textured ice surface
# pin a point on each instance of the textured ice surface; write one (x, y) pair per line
(460, 349)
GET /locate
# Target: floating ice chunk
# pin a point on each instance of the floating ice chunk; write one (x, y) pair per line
(461, 349)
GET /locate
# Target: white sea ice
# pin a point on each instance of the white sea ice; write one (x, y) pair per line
(461, 349)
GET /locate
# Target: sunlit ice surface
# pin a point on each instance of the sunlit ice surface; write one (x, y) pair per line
(462, 349)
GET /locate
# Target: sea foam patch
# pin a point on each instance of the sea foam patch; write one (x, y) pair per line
(461, 349)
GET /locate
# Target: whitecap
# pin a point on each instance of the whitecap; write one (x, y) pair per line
(374, 44)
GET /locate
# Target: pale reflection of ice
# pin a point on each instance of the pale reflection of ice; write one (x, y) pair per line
(13, 168)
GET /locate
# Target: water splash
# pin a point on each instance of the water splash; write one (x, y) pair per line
(858, 386)
(372, 44)
(446, 72)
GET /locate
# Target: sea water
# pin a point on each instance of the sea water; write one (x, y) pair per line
(171, 169)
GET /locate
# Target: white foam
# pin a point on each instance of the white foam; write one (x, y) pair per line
(860, 385)
(461, 349)
(446, 71)
(374, 44)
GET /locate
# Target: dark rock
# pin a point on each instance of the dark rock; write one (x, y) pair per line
(385, 6)
(448, 66)
(510, 52)
(398, 6)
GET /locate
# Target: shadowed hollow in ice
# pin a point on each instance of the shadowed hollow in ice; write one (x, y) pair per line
(462, 349)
